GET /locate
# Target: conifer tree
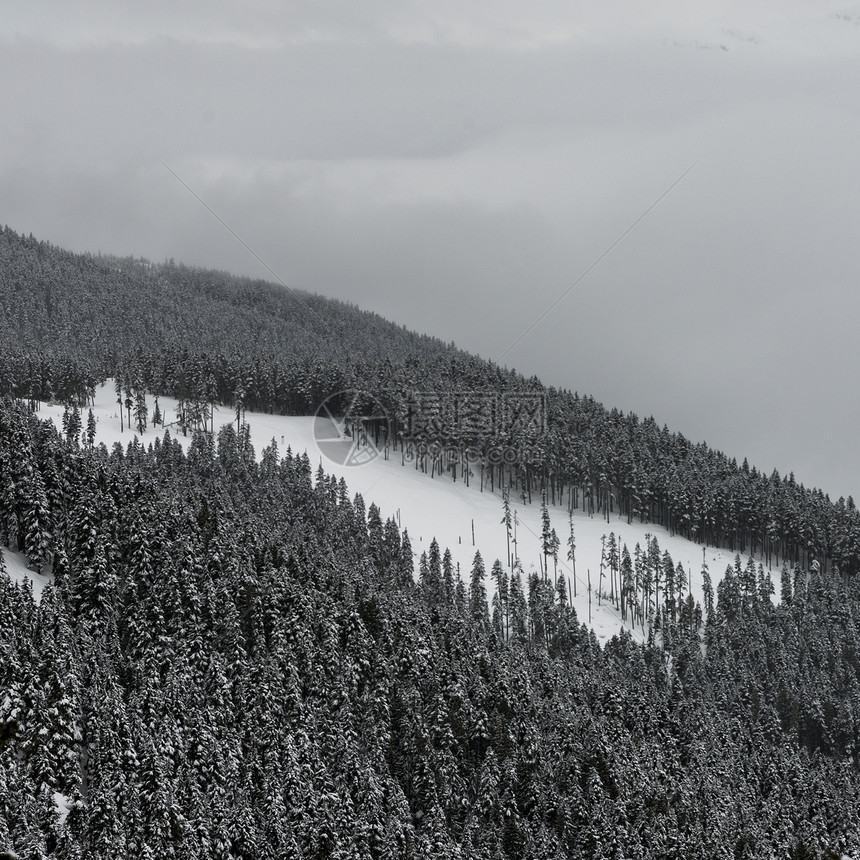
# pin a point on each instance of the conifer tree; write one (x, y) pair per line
(128, 402)
(554, 544)
(91, 429)
(501, 599)
(375, 535)
(707, 587)
(628, 586)
(507, 521)
(519, 622)
(141, 411)
(478, 591)
(118, 389)
(448, 577)
(406, 564)
(785, 585)
(36, 522)
(72, 422)
(433, 582)
(613, 560)
(571, 552)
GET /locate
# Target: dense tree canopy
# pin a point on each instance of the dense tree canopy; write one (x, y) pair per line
(237, 659)
(205, 337)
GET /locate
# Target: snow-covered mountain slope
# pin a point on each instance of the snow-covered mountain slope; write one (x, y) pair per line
(16, 567)
(438, 507)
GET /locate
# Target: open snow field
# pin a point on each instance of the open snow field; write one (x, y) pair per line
(433, 507)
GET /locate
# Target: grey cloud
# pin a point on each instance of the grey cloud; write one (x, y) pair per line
(461, 186)
(332, 101)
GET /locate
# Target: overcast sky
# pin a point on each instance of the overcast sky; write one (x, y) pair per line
(457, 167)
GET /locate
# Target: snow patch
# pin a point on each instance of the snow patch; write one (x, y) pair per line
(16, 567)
(448, 510)
(62, 806)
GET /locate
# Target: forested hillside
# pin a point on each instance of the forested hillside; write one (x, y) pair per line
(207, 337)
(235, 661)
(238, 658)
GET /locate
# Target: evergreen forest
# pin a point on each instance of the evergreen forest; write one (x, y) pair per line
(238, 658)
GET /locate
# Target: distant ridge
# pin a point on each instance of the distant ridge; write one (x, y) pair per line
(207, 337)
